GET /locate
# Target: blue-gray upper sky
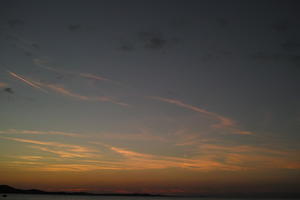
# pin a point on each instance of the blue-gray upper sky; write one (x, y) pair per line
(181, 79)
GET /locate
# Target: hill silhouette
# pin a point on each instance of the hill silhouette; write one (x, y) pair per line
(6, 189)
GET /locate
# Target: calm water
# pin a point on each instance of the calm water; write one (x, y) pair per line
(70, 197)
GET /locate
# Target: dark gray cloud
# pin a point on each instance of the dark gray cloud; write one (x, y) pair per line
(179, 23)
(14, 23)
(35, 45)
(156, 40)
(291, 45)
(281, 26)
(155, 43)
(216, 55)
(127, 47)
(222, 22)
(27, 53)
(10, 37)
(277, 57)
(8, 90)
(150, 41)
(208, 57)
(74, 27)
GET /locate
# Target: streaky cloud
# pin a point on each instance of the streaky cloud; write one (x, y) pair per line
(62, 90)
(43, 64)
(62, 153)
(33, 158)
(224, 122)
(94, 77)
(60, 149)
(56, 144)
(34, 132)
(136, 160)
(143, 136)
(28, 82)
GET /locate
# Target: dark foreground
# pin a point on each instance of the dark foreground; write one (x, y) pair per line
(8, 192)
(5, 189)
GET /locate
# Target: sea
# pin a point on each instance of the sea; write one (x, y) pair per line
(78, 197)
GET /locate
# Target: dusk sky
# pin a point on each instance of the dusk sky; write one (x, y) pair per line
(168, 97)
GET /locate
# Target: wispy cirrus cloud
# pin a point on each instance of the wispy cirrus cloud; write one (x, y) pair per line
(34, 132)
(216, 157)
(64, 91)
(60, 149)
(27, 81)
(33, 158)
(140, 136)
(240, 149)
(55, 144)
(44, 64)
(242, 132)
(61, 167)
(133, 160)
(69, 153)
(136, 160)
(207, 157)
(77, 167)
(254, 157)
(94, 77)
(223, 122)
(185, 138)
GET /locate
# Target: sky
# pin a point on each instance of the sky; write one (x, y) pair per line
(166, 97)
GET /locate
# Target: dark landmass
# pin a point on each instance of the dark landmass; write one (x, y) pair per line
(5, 189)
